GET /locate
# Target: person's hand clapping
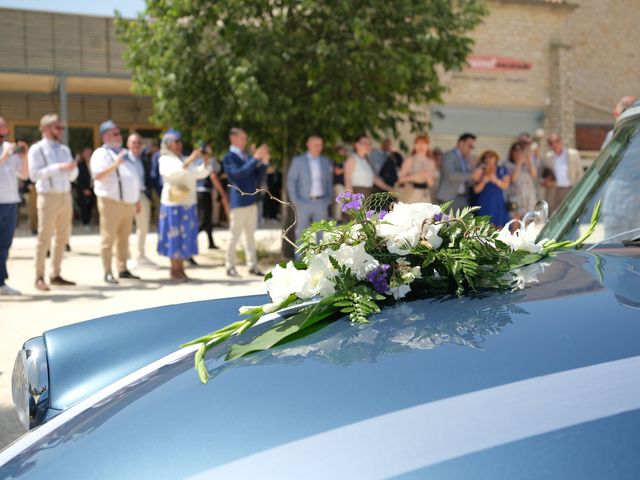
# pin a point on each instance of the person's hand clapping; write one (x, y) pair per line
(120, 157)
(262, 154)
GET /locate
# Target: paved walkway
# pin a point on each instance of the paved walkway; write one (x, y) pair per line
(32, 313)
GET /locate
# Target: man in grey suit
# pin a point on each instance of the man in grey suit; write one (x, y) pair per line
(310, 185)
(455, 173)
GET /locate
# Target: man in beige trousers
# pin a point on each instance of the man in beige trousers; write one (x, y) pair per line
(52, 169)
(117, 187)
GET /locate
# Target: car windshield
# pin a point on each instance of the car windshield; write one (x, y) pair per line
(614, 178)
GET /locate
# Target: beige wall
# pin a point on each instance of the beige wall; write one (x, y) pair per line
(606, 55)
(40, 40)
(513, 30)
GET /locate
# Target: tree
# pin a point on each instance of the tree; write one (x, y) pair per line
(283, 69)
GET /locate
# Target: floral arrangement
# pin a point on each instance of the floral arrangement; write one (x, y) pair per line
(382, 256)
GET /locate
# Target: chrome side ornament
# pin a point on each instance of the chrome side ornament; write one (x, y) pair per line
(539, 215)
(30, 383)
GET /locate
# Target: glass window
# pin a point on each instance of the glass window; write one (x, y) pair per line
(614, 178)
(79, 138)
(27, 133)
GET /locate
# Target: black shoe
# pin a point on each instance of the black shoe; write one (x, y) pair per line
(192, 262)
(213, 246)
(127, 274)
(231, 272)
(67, 248)
(109, 278)
(61, 281)
(256, 271)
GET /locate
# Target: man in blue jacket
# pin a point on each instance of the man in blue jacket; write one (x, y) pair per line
(310, 185)
(245, 174)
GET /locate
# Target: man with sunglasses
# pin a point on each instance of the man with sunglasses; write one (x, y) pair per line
(52, 169)
(117, 186)
(13, 166)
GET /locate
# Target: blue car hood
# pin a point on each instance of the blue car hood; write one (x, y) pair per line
(537, 383)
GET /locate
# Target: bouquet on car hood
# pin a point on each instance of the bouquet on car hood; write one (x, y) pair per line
(382, 255)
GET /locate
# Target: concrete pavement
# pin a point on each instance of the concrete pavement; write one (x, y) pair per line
(26, 316)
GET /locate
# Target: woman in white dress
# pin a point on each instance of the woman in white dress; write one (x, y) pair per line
(359, 176)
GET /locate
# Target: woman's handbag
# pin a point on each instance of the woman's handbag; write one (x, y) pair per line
(178, 193)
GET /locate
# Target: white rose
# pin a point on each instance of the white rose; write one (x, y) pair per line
(284, 282)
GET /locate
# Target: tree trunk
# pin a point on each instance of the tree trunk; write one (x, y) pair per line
(287, 250)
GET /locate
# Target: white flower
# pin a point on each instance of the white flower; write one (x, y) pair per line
(406, 223)
(524, 238)
(318, 280)
(356, 258)
(284, 282)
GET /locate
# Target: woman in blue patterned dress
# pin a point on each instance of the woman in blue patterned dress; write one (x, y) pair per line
(178, 219)
(491, 180)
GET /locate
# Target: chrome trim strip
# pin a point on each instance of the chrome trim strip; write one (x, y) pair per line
(418, 437)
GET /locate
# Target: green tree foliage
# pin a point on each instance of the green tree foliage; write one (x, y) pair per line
(284, 68)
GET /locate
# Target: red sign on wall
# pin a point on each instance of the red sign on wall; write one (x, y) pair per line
(495, 63)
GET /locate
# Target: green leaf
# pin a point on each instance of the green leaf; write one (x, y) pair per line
(201, 366)
(285, 329)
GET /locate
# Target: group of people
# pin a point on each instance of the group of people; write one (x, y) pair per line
(120, 179)
(503, 190)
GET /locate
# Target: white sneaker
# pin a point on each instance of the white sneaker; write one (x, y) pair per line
(144, 261)
(7, 290)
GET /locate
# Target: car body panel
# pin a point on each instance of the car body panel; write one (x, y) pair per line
(582, 315)
(106, 349)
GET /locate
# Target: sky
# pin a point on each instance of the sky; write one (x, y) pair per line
(129, 8)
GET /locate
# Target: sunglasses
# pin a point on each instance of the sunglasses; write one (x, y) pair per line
(4, 135)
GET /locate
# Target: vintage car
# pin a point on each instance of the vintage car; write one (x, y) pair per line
(542, 382)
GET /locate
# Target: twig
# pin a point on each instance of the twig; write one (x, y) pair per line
(285, 232)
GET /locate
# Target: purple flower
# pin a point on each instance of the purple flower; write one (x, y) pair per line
(352, 205)
(373, 213)
(437, 217)
(378, 278)
(344, 197)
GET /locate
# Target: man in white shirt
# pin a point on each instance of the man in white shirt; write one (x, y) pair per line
(13, 166)
(309, 184)
(566, 165)
(143, 215)
(52, 169)
(117, 187)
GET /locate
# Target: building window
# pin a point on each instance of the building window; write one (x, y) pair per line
(591, 137)
(79, 138)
